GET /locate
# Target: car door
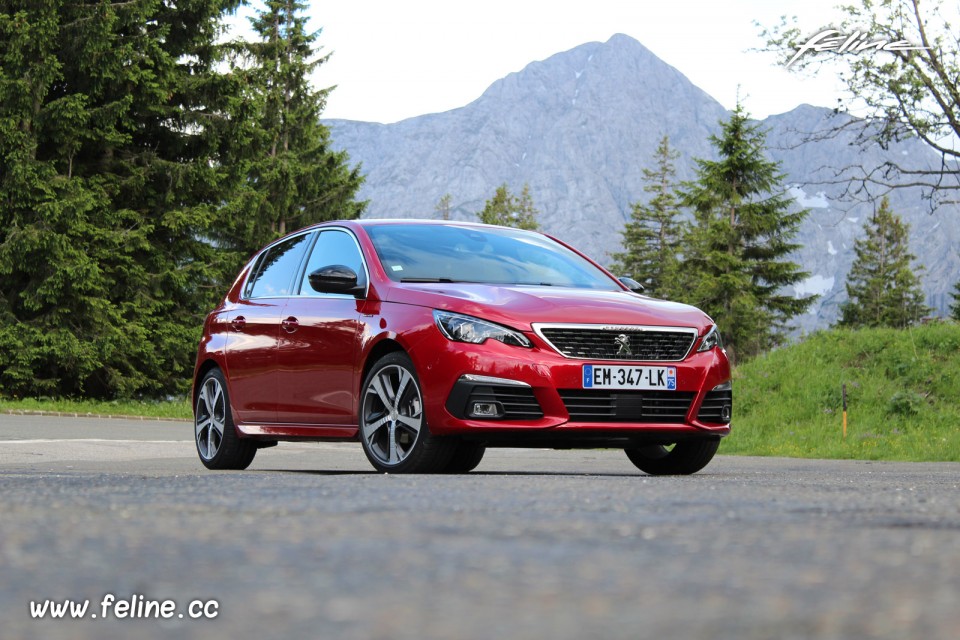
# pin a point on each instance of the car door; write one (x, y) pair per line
(318, 341)
(251, 348)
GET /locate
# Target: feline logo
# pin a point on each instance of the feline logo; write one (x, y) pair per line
(856, 42)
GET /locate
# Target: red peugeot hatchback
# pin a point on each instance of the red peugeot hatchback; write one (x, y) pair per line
(430, 341)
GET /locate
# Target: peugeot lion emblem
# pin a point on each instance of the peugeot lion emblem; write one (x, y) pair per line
(623, 341)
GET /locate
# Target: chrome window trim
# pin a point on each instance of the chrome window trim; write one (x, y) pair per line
(300, 269)
(612, 328)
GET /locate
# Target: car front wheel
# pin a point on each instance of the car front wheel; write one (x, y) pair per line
(465, 458)
(683, 458)
(393, 428)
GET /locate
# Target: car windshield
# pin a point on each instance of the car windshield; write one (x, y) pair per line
(487, 255)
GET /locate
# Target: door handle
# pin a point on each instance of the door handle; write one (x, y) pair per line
(290, 324)
(238, 323)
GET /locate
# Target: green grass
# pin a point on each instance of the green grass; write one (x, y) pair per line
(169, 409)
(903, 388)
(903, 391)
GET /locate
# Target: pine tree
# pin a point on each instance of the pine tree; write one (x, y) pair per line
(955, 307)
(507, 210)
(882, 289)
(652, 240)
(737, 250)
(109, 179)
(289, 175)
(443, 206)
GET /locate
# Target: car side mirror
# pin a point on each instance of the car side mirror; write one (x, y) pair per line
(336, 278)
(631, 284)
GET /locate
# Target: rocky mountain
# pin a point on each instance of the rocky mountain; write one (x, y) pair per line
(580, 127)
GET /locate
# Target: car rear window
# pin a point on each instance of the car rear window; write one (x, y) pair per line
(274, 272)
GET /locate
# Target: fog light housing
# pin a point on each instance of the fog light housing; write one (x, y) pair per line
(725, 413)
(485, 410)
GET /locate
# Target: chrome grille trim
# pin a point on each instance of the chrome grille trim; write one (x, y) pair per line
(683, 339)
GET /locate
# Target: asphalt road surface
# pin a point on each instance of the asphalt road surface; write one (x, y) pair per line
(534, 544)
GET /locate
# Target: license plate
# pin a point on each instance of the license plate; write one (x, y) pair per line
(644, 378)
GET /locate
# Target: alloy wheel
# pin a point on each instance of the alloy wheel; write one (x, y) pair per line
(392, 415)
(210, 418)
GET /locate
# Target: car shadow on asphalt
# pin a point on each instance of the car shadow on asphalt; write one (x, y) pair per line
(354, 472)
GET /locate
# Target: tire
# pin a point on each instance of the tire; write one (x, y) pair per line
(686, 457)
(393, 428)
(465, 457)
(215, 435)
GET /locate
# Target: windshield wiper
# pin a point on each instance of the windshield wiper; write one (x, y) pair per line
(491, 283)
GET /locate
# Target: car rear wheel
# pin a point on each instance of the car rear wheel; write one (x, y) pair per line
(465, 457)
(216, 437)
(682, 459)
(393, 428)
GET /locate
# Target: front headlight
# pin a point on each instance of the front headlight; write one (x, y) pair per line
(711, 340)
(461, 328)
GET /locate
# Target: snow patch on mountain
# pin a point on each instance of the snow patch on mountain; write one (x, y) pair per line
(814, 285)
(818, 201)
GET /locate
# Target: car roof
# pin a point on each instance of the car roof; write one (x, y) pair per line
(368, 222)
(374, 222)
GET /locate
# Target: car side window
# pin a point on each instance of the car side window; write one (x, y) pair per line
(277, 268)
(252, 278)
(333, 247)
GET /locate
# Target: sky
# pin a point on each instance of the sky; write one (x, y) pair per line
(395, 59)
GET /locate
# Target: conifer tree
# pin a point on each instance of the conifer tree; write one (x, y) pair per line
(289, 174)
(955, 307)
(882, 289)
(652, 240)
(109, 178)
(443, 206)
(737, 253)
(508, 210)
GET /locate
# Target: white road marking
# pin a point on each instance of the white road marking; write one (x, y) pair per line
(57, 440)
(305, 443)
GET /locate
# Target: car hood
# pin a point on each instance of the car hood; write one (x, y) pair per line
(521, 306)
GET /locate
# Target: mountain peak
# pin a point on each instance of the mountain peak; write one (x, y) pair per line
(623, 41)
(620, 72)
(580, 127)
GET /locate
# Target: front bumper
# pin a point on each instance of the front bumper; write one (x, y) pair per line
(536, 396)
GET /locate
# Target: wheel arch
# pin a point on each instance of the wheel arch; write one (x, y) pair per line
(202, 370)
(382, 348)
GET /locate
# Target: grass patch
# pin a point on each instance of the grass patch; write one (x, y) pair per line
(179, 409)
(903, 388)
(902, 391)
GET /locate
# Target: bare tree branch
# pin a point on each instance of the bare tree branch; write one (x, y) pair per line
(907, 94)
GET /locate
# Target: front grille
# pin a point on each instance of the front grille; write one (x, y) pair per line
(518, 403)
(633, 344)
(712, 408)
(603, 405)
